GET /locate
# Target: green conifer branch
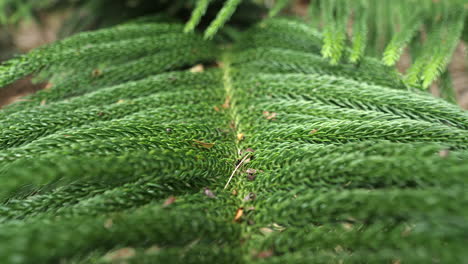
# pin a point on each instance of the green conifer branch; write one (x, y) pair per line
(394, 49)
(197, 14)
(137, 156)
(360, 31)
(222, 17)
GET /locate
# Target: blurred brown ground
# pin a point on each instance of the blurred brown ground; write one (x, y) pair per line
(30, 35)
(20, 39)
(458, 69)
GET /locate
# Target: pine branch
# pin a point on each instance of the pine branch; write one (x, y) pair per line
(197, 14)
(395, 48)
(435, 57)
(141, 130)
(441, 57)
(335, 30)
(222, 17)
(360, 31)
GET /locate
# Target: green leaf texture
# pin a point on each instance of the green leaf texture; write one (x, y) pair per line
(124, 158)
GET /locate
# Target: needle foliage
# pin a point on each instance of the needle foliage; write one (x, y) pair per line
(126, 156)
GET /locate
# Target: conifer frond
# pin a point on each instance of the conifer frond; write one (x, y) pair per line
(86, 49)
(129, 150)
(222, 17)
(360, 31)
(197, 14)
(437, 51)
(408, 27)
(334, 29)
(442, 54)
(380, 28)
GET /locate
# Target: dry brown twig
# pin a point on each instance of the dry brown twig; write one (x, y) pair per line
(237, 167)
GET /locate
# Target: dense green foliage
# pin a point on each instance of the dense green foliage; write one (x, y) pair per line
(278, 144)
(386, 27)
(428, 30)
(125, 156)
